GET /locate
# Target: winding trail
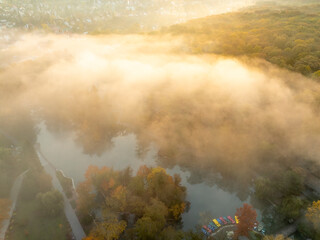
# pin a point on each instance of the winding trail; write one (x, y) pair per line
(72, 218)
(225, 227)
(14, 193)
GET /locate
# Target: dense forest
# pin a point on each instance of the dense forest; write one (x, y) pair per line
(150, 204)
(286, 36)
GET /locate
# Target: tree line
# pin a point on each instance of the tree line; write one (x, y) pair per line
(285, 36)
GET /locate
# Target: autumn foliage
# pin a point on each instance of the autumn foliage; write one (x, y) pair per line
(313, 214)
(152, 196)
(247, 219)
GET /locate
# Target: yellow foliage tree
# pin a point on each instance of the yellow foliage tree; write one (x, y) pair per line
(313, 214)
(108, 230)
(118, 199)
(177, 210)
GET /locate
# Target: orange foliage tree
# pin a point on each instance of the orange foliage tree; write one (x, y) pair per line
(247, 219)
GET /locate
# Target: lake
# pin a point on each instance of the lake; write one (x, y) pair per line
(63, 152)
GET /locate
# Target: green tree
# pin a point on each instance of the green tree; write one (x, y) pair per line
(153, 221)
(50, 203)
(168, 190)
(171, 233)
(137, 186)
(291, 183)
(291, 207)
(192, 235)
(263, 188)
(307, 230)
(158, 212)
(35, 182)
(108, 230)
(8, 168)
(146, 228)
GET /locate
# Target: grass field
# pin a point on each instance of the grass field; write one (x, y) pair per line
(28, 222)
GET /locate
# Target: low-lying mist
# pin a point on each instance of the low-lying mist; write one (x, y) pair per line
(207, 114)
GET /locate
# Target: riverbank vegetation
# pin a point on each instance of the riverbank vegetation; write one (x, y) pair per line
(37, 204)
(285, 36)
(39, 210)
(17, 137)
(12, 163)
(10, 168)
(66, 183)
(309, 226)
(39, 214)
(291, 199)
(279, 186)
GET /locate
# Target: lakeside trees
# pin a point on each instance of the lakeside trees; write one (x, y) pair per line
(247, 220)
(280, 185)
(284, 190)
(290, 207)
(107, 230)
(309, 227)
(155, 199)
(313, 214)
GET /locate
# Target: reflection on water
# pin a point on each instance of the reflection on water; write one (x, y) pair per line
(65, 154)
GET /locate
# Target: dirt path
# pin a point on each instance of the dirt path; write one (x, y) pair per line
(230, 227)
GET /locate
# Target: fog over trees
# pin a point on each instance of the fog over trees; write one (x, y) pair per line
(231, 100)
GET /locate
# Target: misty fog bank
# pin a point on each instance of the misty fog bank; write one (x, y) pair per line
(204, 113)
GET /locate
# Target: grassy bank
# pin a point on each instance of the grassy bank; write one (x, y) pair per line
(28, 224)
(29, 221)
